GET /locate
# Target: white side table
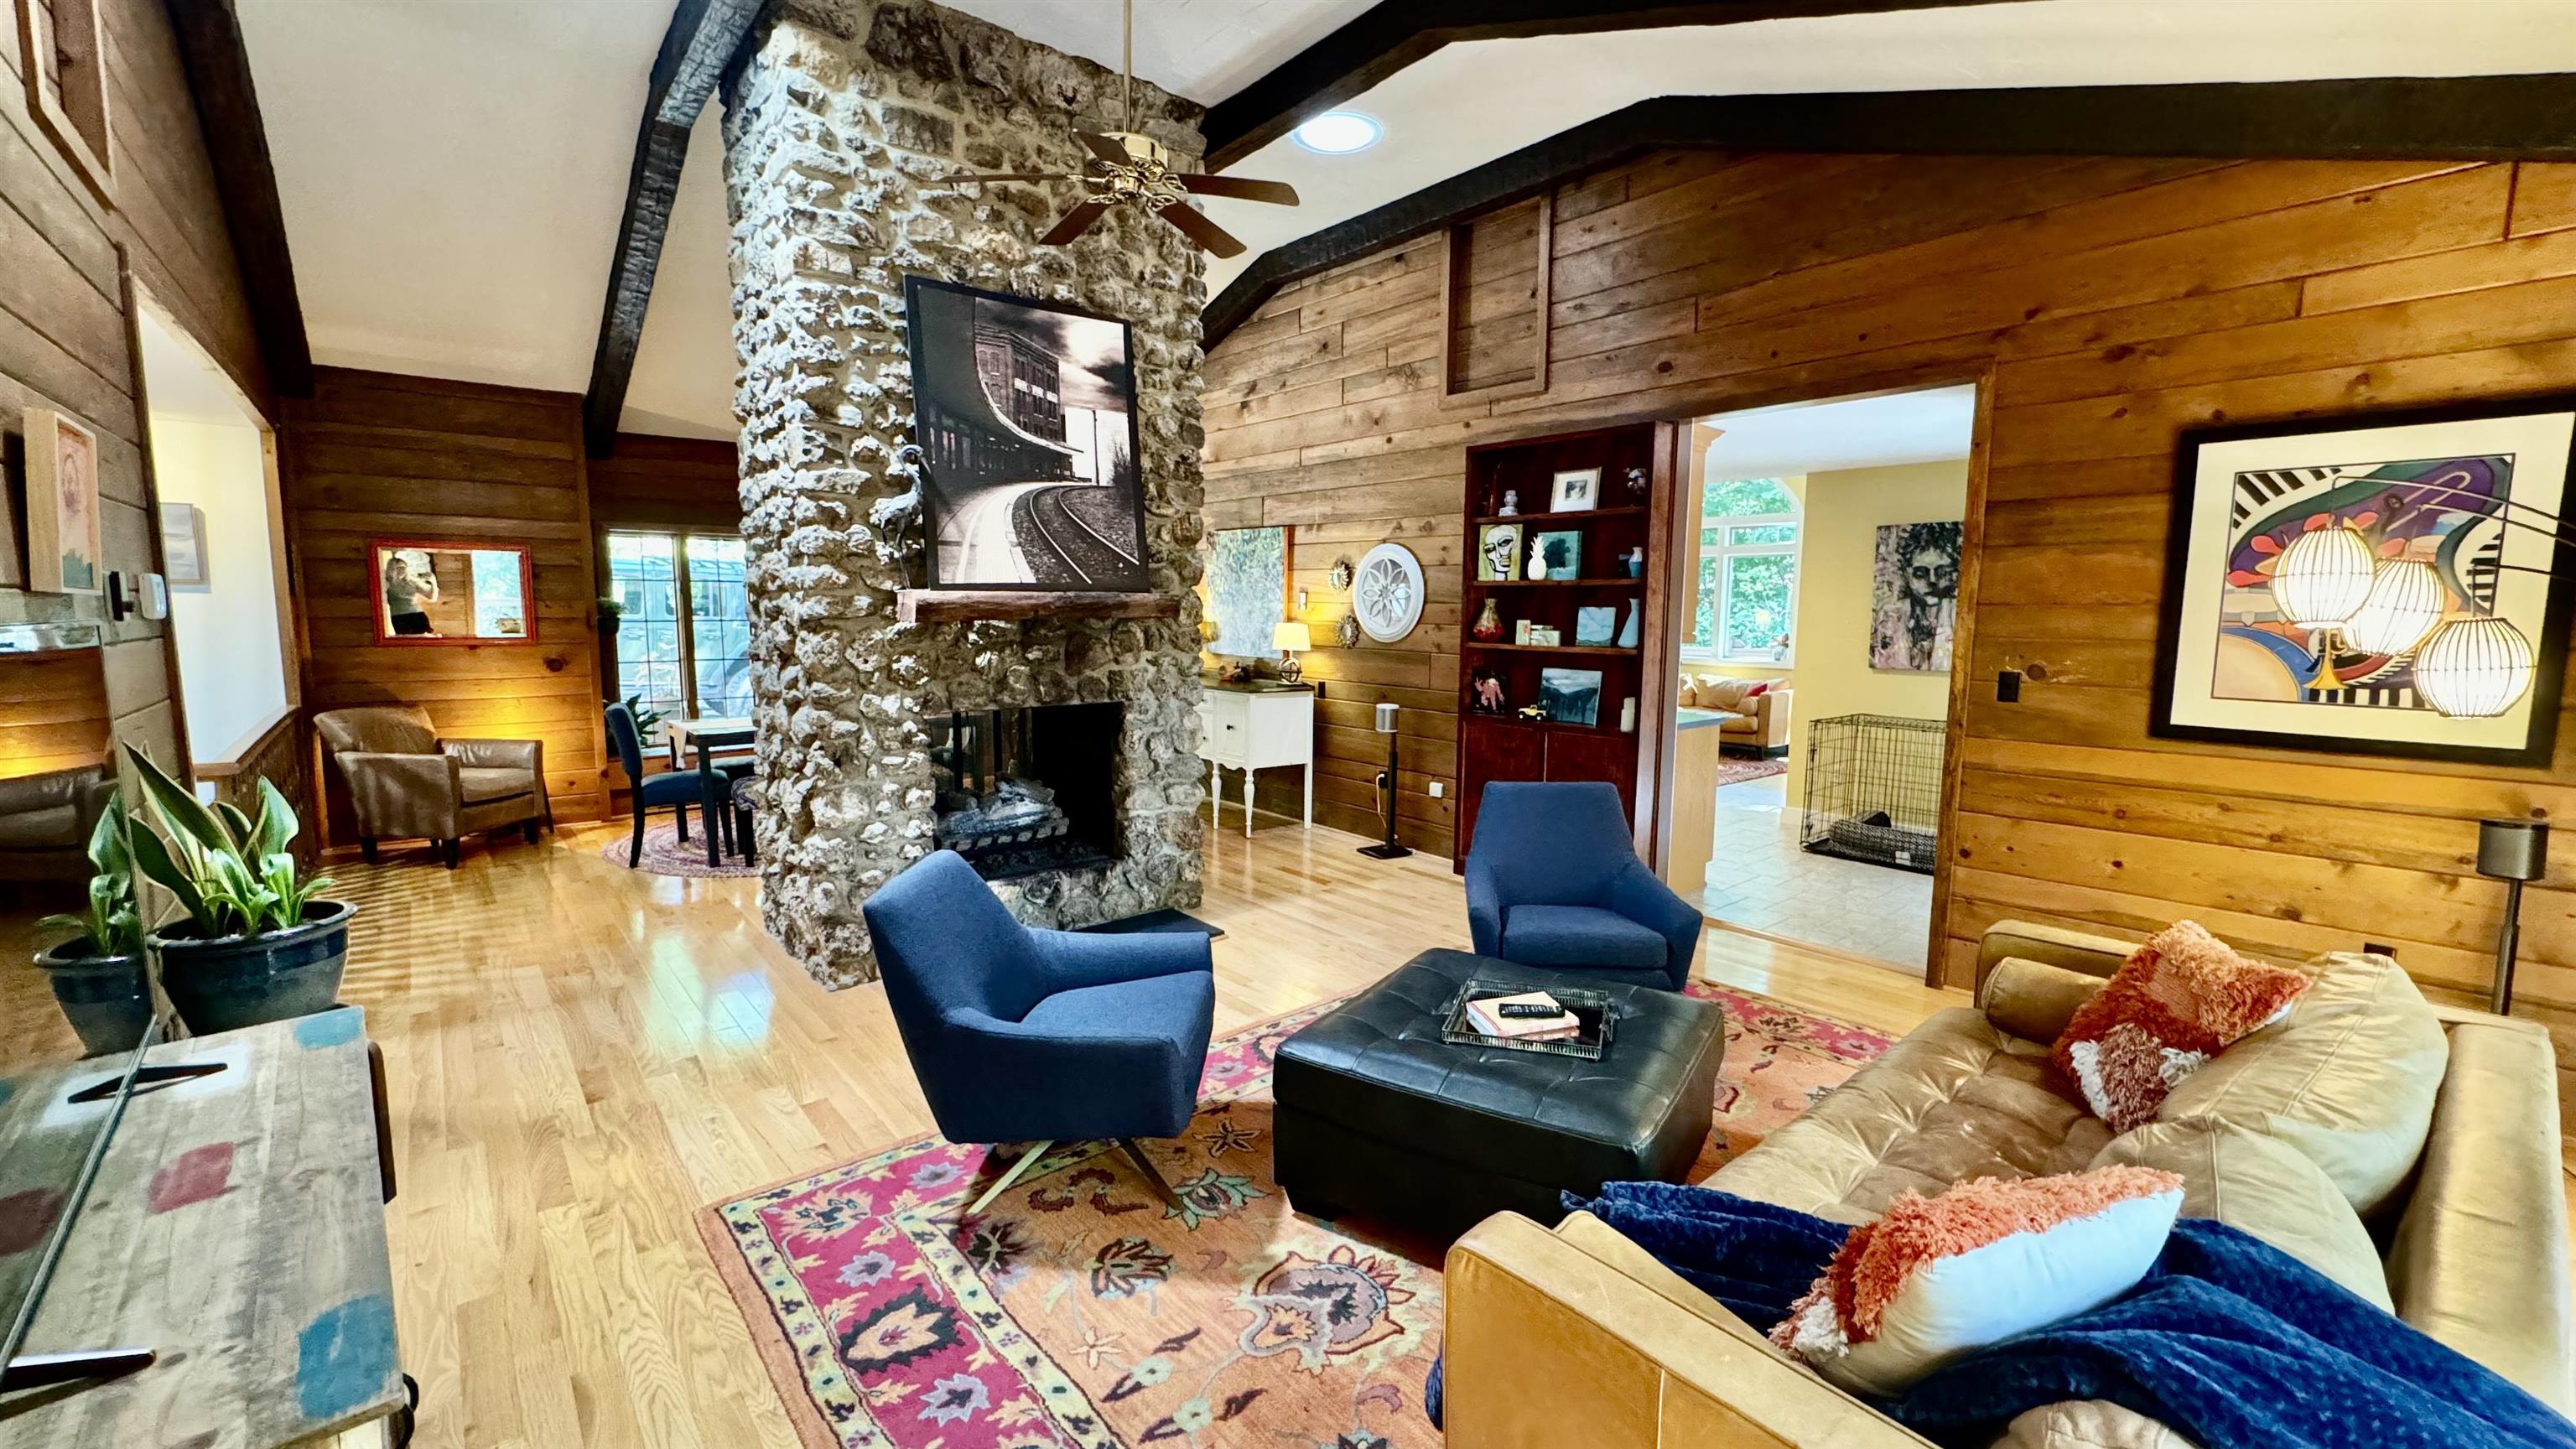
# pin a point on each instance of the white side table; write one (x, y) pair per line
(1255, 727)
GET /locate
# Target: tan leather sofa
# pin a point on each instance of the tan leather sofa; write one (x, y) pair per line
(406, 782)
(46, 820)
(1576, 1335)
(1758, 725)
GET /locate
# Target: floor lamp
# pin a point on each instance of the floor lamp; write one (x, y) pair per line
(2512, 851)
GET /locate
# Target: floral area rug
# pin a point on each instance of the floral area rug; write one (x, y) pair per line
(1734, 770)
(1080, 1311)
(666, 854)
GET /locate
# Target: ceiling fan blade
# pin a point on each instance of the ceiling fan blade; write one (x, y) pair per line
(1074, 224)
(1278, 193)
(1198, 228)
(1103, 147)
(1013, 176)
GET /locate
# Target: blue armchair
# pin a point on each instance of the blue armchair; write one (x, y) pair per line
(1023, 1035)
(1552, 881)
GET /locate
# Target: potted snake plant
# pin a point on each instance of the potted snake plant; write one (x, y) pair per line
(100, 975)
(254, 941)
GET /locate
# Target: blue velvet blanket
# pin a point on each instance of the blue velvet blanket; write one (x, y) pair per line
(2232, 1343)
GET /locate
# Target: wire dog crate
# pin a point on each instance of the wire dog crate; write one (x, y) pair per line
(1874, 790)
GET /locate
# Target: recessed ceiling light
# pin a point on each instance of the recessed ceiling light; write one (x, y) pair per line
(1338, 133)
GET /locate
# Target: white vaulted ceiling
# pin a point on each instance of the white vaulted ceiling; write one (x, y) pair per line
(452, 170)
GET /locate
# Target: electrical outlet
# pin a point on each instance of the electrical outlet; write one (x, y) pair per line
(1439, 788)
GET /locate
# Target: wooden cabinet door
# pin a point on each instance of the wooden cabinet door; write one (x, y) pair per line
(1493, 749)
(1578, 755)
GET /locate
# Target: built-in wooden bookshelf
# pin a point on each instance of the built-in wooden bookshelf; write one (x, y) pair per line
(1504, 746)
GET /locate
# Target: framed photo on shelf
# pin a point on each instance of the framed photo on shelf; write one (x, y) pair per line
(1557, 554)
(1575, 490)
(2371, 584)
(1595, 623)
(1498, 553)
(1571, 696)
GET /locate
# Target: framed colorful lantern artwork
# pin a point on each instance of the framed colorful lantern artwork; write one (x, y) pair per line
(2387, 584)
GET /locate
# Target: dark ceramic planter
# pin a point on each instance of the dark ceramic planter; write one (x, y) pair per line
(239, 981)
(107, 999)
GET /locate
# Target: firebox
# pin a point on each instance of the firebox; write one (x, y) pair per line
(1028, 790)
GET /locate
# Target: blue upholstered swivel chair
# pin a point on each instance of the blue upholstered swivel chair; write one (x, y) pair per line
(1552, 881)
(678, 789)
(1023, 1035)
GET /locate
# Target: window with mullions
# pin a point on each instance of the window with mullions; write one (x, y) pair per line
(684, 640)
(1748, 573)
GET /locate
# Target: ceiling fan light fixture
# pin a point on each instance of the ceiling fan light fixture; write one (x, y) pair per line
(1337, 133)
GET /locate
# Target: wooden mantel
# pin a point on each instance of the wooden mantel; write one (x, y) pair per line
(957, 606)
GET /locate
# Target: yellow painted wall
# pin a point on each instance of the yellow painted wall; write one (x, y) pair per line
(1829, 650)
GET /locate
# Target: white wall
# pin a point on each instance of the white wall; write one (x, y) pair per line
(232, 659)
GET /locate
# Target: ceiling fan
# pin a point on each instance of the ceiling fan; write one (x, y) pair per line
(1129, 168)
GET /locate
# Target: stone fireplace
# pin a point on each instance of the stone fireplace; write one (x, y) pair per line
(882, 740)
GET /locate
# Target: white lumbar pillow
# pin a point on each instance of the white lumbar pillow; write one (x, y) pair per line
(1983, 1261)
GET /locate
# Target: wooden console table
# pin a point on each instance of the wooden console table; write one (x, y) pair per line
(237, 1228)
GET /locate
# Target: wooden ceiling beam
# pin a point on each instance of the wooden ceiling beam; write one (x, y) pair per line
(1396, 33)
(219, 81)
(2469, 118)
(701, 45)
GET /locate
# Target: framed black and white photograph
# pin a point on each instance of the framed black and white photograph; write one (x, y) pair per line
(183, 545)
(2382, 584)
(1575, 490)
(1025, 412)
(1571, 696)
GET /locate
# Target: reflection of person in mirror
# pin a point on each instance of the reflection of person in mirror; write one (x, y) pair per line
(407, 595)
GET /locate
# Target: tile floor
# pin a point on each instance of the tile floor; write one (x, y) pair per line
(1760, 879)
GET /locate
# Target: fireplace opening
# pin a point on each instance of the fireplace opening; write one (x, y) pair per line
(1028, 790)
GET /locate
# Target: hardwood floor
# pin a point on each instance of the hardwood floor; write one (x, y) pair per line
(581, 1057)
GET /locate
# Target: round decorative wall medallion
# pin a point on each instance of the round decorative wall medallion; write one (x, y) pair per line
(1347, 632)
(1341, 575)
(1386, 597)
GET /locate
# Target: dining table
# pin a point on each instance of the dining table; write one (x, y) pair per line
(705, 736)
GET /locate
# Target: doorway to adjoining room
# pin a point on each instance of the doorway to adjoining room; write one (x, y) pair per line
(1814, 683)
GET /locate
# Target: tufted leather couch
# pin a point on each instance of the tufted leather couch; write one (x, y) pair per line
(46, 820)
(2414, 1156)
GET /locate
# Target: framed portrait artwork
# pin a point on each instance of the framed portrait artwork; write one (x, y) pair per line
(451, 593)
(1914, 597)
(63, 548)
(1498, 553)
(1025, 412)
(2377, 584)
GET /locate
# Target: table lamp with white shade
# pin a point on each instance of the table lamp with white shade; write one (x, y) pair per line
(1291, 639)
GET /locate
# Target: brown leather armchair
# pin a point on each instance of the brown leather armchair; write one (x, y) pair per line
(404, 781)
(46, 820)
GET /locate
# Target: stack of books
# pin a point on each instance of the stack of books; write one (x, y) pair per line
(1561, 1025)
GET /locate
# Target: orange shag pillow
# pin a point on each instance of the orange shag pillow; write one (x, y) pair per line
(1985, 1260)
(2179, 1000)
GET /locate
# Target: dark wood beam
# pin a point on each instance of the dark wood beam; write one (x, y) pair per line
(1396, 33)
(218, 67)
(704, 38)
(2470, 118)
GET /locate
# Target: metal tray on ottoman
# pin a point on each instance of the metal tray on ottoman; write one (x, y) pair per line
(1377, 1116)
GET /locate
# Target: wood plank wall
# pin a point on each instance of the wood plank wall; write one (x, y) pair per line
(64, 339)
(374, 455)
(669, 483)
(53, 712)
(2113, 302)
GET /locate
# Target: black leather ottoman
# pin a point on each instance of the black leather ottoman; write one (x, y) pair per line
(1377, 1116)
